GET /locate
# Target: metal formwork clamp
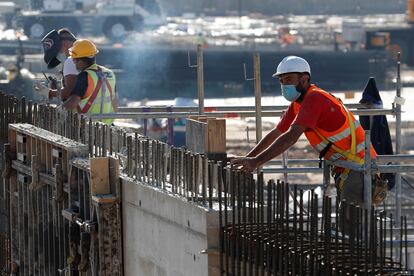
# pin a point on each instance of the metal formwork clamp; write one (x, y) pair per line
(86, 226)
(70, 215)
(89, 226)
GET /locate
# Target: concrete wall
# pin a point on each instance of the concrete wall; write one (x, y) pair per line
(163, 235)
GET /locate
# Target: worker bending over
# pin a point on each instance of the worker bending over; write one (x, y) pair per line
(329, 126)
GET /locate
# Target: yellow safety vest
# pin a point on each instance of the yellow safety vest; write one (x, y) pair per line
(100, 93)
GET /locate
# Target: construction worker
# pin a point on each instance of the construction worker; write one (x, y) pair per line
(56, 46)
(328, 125)
(94, 92)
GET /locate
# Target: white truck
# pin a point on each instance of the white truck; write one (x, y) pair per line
(114, 18)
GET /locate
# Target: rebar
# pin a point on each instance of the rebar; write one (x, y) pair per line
(280, 241)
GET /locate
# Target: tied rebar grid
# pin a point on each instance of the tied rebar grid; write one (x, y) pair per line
(272, 230)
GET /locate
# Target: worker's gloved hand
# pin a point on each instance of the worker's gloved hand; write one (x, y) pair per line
(41, 88)
(54, 86)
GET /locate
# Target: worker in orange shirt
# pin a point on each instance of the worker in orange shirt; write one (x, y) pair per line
(329, 126)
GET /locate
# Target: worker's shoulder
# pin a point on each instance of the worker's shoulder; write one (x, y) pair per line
(107, 71)
(316, 97)
(315, 93)
(69, 67)
(69, 62)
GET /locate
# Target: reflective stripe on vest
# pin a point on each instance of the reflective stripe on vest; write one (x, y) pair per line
(343, 146)
(100, 93)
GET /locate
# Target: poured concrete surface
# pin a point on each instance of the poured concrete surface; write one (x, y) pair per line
(163, 235)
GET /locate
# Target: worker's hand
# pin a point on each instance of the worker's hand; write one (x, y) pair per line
(246, 164)
(41, 88)
(52, 94)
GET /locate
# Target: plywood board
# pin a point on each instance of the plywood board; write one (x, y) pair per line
(195, 135)
(99, 180)
(216, 136)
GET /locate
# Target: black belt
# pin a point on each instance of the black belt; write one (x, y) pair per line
(323, 152)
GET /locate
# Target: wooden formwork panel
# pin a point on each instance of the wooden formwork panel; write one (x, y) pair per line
(41, 150)
(37, 168)
(95, 207)
(207, 136)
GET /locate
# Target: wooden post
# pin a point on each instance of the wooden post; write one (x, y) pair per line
(99, 176)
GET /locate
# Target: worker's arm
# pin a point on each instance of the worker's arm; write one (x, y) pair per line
(70, 82)
(282, 143)
(72, 102)
(78, 92)
(115, 102)
(265, 142)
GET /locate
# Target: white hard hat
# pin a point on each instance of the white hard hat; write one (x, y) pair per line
(292, 64)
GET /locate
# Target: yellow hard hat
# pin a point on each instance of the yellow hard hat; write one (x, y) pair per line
(83, 48)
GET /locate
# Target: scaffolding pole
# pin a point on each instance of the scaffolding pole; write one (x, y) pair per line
(367, 172)
(258, 96)
(233, 114)
(200, 78)
(168, 108)
(398, 139)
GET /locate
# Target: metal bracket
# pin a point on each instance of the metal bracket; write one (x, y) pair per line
(399, 100)
(86, 226)
(245, 74)
(189, 61)
(89, 226)
(70, 215)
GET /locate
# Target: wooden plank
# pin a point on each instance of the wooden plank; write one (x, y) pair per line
(57, 153)
(206, 135)
(99, 176)
(102, 199)
(216, 136)
(114, 173)
(43, 178)
(21, 138)
(196, 117)
(21, 157)
(52, 138)
(81, 163)
(204, 119)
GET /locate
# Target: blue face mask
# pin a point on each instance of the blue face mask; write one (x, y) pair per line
(290, 92)
(61, 57)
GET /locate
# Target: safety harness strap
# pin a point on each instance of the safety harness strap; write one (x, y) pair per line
(350, 156)
(95, 92)
(91, 99)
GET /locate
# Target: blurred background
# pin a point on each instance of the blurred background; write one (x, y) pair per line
(148, 42)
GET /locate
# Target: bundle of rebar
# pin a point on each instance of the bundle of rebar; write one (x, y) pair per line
(275, 229)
